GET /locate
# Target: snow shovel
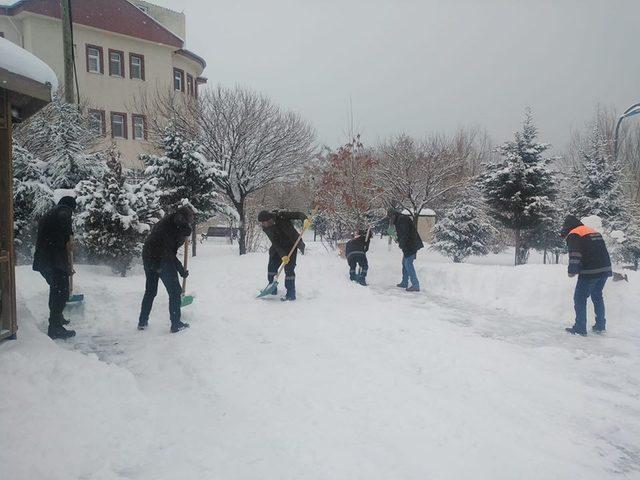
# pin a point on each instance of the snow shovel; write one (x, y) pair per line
(186, 299)
(77, 297)
(271, 288)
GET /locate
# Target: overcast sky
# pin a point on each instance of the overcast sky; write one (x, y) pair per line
(418, 66)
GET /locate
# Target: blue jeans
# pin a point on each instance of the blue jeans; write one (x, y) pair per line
(409, 271)
(585, 288)
(165, 271)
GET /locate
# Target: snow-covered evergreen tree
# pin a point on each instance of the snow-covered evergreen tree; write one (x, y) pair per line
(520, 188)
(32, 198)
(60, 136)
(464, 230)
(600, 192)
(185, 176)
(115, 216)
(599, 189)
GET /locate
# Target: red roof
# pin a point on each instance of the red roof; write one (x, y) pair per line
(118, 16)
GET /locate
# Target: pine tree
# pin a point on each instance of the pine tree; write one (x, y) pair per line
(32, 198)
(115, 216)
(185, 177)
(520, 188)
(60, 136)
(463, 231)
(599, 190)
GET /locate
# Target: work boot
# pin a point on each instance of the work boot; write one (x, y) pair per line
(597, 329)
(290, 284)
(143, 324)
(58, 331)
(401, 285)
(413, 288)
(353, 277)
(362, 280)
(573, 331)
(178, 326)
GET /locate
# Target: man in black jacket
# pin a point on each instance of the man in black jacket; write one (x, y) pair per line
(280, 230)
(160, 263)
(51, 259)
(356, 252)
(410, 242)
(589, 259)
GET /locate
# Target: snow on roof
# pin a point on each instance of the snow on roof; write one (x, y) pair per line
(425, 212)
(18, 61)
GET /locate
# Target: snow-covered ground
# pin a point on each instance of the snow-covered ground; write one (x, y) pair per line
(472, 378)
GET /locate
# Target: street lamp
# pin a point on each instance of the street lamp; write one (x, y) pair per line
(629, 112)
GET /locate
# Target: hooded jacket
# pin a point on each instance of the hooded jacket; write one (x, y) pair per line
(282, 233)
(54, 231)
(588, 254)
(166, 237)
(358, 245)
(408, 237)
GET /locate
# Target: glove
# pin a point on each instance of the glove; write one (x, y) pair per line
(306, 224)
(285, 260)
(391, 231)
(184, 273)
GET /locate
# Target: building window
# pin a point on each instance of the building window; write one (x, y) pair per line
(118, 125)
(139, 127)
(96, 121)
(190, 85)
(136, 66)
(94, 59)
(178, 79)
(116, 65)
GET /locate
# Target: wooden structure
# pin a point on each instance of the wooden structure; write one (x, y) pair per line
(426, 222)
(23, 91)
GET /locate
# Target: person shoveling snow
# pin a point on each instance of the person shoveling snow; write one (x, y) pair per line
(161, 263)
(51, 259)
(285, 243)
(589, 259)
(356, 253)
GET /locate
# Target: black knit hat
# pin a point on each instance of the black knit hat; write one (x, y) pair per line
(265, 216)
(570, 222)
(68, 202)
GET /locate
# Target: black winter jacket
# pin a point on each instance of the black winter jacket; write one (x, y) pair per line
(282, 234)
(54, 231)
(357, 245)
(408, 237)
(588, 254)
(166, 237)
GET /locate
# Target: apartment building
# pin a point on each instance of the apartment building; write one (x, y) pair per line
(124, 50)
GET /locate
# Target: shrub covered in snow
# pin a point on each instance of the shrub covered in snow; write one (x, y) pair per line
(32, 197)
(185, 176)
(115, 216)
(464, 230)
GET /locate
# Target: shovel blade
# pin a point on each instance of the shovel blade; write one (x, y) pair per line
(76, 298)
(186, 300)
(269, 289)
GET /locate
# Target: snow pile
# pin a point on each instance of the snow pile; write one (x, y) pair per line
(17, 60)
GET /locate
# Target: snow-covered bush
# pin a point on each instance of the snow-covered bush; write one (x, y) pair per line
(60, 136)
(32, 197)
(115, 216)
(520, 188)
(185, 176)
(463, 231)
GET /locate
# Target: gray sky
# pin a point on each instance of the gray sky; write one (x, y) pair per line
(418, 66)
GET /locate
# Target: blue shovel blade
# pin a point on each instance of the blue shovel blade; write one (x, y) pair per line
(269, 289)
(76, 298)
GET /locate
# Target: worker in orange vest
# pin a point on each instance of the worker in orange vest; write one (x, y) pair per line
(589, 260)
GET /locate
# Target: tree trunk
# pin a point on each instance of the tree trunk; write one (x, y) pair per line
(522, 252)
(242, 227)
(194, 237)
(544, 258)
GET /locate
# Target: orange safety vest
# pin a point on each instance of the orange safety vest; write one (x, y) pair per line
(582, 231)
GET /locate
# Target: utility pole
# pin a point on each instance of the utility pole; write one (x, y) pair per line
(67, 44)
